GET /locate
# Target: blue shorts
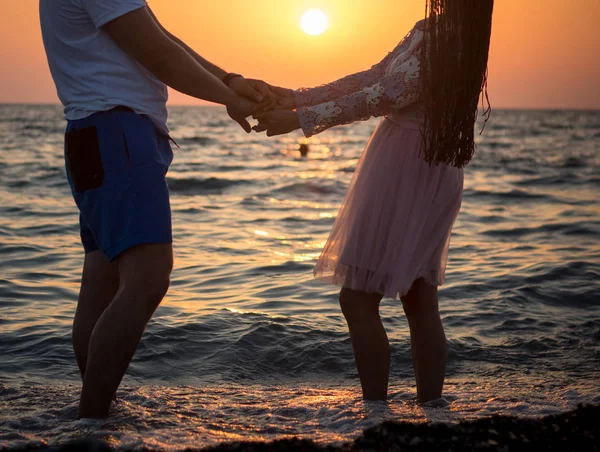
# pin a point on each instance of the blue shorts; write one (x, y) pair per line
(116, 165)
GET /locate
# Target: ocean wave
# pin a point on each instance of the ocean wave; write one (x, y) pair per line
(156, 417)
(29, 129)
(196, 141)
(310, 189)
(579, 229)
(233, 346)
(575, 162)
(514, 194)
(494, 144)
(552, 180)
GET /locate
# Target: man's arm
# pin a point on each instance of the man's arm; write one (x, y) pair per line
(257, 90)
(210, 67)
(139, 36)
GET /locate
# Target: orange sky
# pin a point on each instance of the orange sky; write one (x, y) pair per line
(544, 52)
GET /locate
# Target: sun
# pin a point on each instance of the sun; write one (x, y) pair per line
(314, 22)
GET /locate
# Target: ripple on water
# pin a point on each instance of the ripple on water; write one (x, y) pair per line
(247, 345)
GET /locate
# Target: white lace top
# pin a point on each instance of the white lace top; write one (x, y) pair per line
(388, 87)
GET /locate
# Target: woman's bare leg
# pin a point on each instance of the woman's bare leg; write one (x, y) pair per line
(369, 341)
(427, 340)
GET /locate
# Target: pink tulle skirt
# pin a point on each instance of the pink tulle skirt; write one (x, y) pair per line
(395, 223)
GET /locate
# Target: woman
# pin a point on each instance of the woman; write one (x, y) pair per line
(392, 233)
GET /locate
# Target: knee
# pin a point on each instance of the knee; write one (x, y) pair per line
(414, 308)
(158, 287)
(421, 300)
(357, 305)
(145, 272)
(80, 336)
(155, 286)
(149, 288)
(347, 304)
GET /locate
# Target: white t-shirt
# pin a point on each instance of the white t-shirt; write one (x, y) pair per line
(91, 72)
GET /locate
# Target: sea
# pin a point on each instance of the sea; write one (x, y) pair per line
(247, 344)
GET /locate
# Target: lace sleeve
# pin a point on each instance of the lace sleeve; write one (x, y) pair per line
(391, 92)
(349, 84)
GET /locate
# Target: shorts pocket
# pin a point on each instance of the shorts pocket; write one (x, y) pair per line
(84, 163)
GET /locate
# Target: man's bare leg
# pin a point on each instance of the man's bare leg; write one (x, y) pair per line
(144, 273)
(99, 284)
(427, 340)
(369, 341)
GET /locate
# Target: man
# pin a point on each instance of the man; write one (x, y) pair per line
(111, 61)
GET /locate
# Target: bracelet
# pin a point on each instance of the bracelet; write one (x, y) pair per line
(229, 77)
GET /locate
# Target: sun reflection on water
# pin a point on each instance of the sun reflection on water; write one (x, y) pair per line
(247, 345)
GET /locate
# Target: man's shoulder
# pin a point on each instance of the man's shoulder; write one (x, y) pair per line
(62, 4)
(63, 9)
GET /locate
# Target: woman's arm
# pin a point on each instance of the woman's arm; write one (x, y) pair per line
(305, 97)
(388, 93)
(391, 93)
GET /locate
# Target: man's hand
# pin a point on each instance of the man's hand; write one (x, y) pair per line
(252, 89)
(240, 111)
(284, 100)
(277, 122)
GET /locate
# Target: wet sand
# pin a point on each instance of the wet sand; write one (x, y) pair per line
(577, 430)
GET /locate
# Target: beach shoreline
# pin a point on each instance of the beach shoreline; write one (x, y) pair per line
(572, 430)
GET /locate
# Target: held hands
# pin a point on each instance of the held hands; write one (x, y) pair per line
(255, 90)
(277, 122)
(250, 92)
(240, 111)
(281, 120)
(285, 100)
(270, 105)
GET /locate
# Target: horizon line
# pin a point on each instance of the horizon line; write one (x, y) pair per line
(57, 104)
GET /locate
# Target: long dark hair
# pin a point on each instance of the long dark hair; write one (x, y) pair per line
(453, 77)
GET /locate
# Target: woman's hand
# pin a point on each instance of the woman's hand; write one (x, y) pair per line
(286, 97)
(283, 99)
(277, 122)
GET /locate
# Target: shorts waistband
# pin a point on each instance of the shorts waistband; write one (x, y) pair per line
(122, 108)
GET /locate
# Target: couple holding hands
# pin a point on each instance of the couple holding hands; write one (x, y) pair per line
(112, 61)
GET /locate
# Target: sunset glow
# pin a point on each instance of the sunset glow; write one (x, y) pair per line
(532, 63)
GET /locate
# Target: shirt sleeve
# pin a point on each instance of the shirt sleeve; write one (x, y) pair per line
(313, 96)
(102, 12)
(390, 93)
